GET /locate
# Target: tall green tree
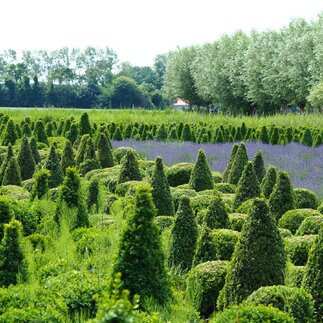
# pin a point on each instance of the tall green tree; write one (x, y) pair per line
(26, 160)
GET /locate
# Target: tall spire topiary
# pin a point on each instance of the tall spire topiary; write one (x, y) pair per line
(68, 158)
(268, 182)
(34, 150)
(13, 261)
(227, 171)
(10, 135)
(26, 131)
(248, 186)
(72, 134)
(240, 161)
(26, 160)
(129, 170)
(80, 155)
(93, 195)
(186, 134)
(6, 162)
(90, 159)
(216, 216)
(84, 125)
(12, 173)
(140, 259)
(307, 138)
(160, 190)
(201, 176)
(40, 186)
(184, 236)
(39, 132)
(258, 260)
(259, 165)
(54, 167)
(104, 152)
(282, 197)
(264, 135)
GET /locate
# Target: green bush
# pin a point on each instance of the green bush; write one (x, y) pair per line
(320, 208)
(92, 199)
(34, 150)
(129, 169)
(252, 313)
(307, 138)
(105, 156)
(239, 163)
(11, 174)
(224, 242)
(294, 301)
(39, 241)
(164, 222)
(10, 135)
(39, 133)
(292, 219)
(54, 167)
(285, 233)
(227, 171)
(25, 160)
(310, 225)
(245, 207)
(200, 202)
(68, 158)
(179, 174)
(84, 125)
(236, 221)
(178, 193)
(294, 275)
(269, 181)
(5, 162)
(205, 248)
(216, 216)
(306, 199)
(225, 188)
(297, 248)
(127, 188)
(204, 283)
(259, 166)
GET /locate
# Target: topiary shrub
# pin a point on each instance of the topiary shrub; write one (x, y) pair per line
(239, 163)
(178, 193)
(292, 219)
(313, 278)
(259, 166)
(264, 135)
(320, 208)
(68, 158)
(307, 138)
(140, 259)
(186, 134)
(217, 177)
(25, 160)
(294, 275)
(11, 174)
(245, 207)
(298, 248)
(184, 236)
(259, 257)
(129, 170)
(285, 233)
(127, 188)
(34, 150)
(9, 135)
(104, 152)
(204, 283)
(294, 301)
(92, 200)
(39, 132)
(179, 174)
(164, 222)
(160, 190)
(224, 242)
(200, 202)
(201, 176)
(310, 225)
(84, 125)
(40, 186)
(227, 171)
(225, 188)
(54, 167)
(216, 216)
(252, 313)
(282, 197)
(306, 199)
(269, 181)
(236, 221)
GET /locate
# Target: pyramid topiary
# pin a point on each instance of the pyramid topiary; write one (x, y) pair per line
(269, 181)
(274, 138)
(216, 216)
(258, 260)
(184, 236)
(12, 173)
(54, 167)
(10, 135)
(93, 195)
(307, 138)
(240, 161)
(26, 160)
(264, 135)
(26, 131)
(140, 259)
(282, 197)
(84, 125)
(6, 162)
(105, 157)
(39, 132)
(80, 155)
(129, 170)
(40, 186)
(90, 161)
(34, 150)
(117, 135)
(72, 134)
(259, 165)
(68, 158)
(201, 176)
(205, 249)
(227, 171)
(161, 134)
(186, 134)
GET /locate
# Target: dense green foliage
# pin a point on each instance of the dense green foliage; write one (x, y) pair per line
(129, 169)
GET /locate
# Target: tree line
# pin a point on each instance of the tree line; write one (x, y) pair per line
(264, 72)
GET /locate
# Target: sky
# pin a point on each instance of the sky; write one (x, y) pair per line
(138, 30)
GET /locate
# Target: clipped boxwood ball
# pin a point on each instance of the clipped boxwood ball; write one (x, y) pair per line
(179, 174)
(236, 221)
(294, 275)
(310, 225)
(224, 242)
(225, 188)
(121, 152)
(306, 199)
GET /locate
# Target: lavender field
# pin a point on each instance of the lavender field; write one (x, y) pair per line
(304, 164)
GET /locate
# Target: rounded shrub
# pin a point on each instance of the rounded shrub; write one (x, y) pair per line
(236, 221)
(320, 208)
(178, 193)
(224, 242)
(179, 174)
(204, 283)
(40, 186)
(297, 248)
(292, 219)
(310, 225)
(225, 188)
(200, 202)
(306, 199)
(296, 302)
(285, 233)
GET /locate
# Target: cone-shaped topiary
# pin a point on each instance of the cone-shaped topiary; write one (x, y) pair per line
(140, 259)
(26, 131)
(68, 159)
(40, 186)
(216, 216)
(6, 213)
(12, 173)
(161, 134)
(205, 249)
(129, 170)
(172, 135)
(160, 190)
(10, 135)
(39, 132)
(90, 159)
(49, 129)
(240, 161)
(117, 135)
(80, 155)
(54, 167)
(258, 260)
(274, 138)
(34, 150)
(227, 171)
(93, 195)
(70, 195)
(184, 236)
(72, 134)
(307, 138)
(248, 186)
(84, 125)
(104, 152)
(26, 160)
(317, 141)
(269, 181)
(201, 176)
(186, 134)
(313, 278)
(282, 197)
(259, 165)
(13, 261)
(6, 162)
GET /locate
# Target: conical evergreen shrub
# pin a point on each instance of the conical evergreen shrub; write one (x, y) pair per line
(26, 131)
(227, 171)
(39, 132)
(80, 155)
(282, 197)
(129, 169)
(49, 129)
(117, 135)
(140, 259)
(259, 165)
(186, 134)
(26, 160)
(6, 162)
(40, 186)
(269, 181)
(307, 138)
(93, 195)
(54, 167)
(105, 157)
(90, 159)
(72, 134)
(216, 216)
(13, 261)
(161, 134)
(6, 213)
(317, 141)
(12, 173)
(258, 260)
(201, 176)
(9, 135)
(68, 158)
(184, 236)
(274, 138)
(160, 190)
(172, 135)
(240, 161)
(84, 125)
(34, 150)
(313, 278)
(264, 135)
(127, 131)
(248, 186)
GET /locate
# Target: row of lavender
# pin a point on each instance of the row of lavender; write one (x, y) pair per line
(304, 164)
